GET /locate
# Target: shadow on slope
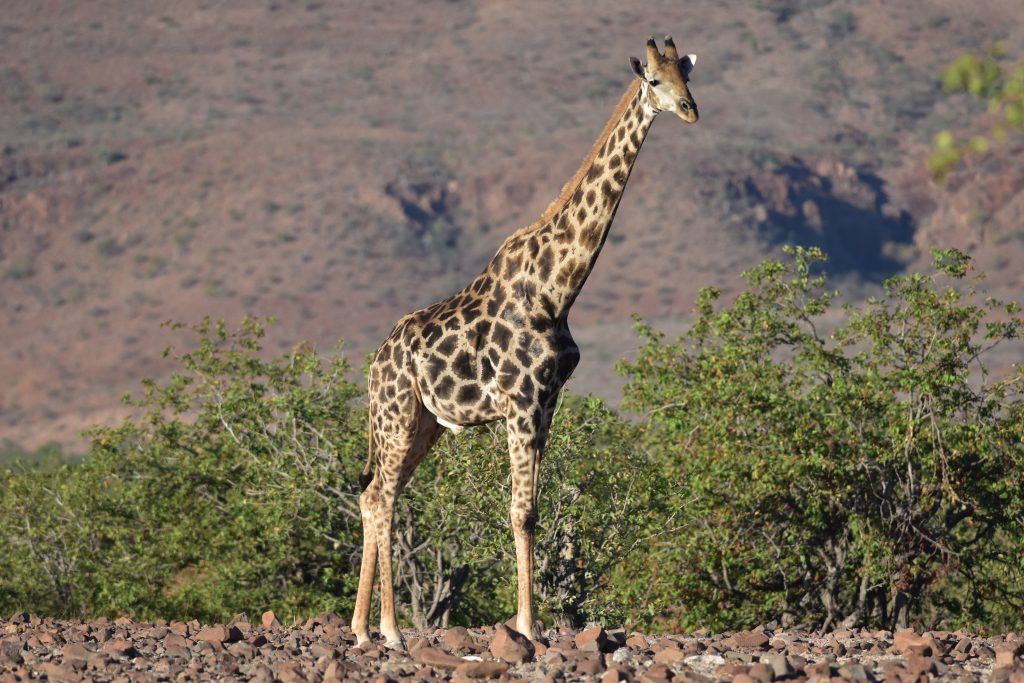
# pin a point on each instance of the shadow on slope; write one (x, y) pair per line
(843, 210)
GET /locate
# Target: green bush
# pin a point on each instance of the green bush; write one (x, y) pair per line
(225, 493)
(870, 478)
(597, 489)
(234, 489)
(990, 80)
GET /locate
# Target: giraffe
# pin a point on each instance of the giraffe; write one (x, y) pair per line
(501, 347)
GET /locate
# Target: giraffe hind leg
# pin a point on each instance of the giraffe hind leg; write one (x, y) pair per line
(398, 458)
(368, 503)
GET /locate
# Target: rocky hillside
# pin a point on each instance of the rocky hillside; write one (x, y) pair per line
(336, 165)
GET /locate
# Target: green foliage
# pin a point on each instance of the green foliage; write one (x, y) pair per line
(870, 478)
(989, 80)
(596, 490)
(220, 496)
(234, 489)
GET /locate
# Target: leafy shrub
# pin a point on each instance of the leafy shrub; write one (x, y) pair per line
(868, 479)
(988, 79)
(223, 495)
(234, 489)
(596, 489)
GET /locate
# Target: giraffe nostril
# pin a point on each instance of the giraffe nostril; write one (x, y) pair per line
(684, 105)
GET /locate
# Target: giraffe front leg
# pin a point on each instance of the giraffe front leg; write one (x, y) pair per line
(524, 521)
(368, 503)
(526, 436)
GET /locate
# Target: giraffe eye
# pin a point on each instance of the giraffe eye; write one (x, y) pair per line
(655, 83)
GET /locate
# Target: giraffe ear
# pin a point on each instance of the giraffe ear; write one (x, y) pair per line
(686, 64)
(637, 68)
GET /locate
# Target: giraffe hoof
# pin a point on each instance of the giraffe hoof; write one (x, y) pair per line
(396, 645)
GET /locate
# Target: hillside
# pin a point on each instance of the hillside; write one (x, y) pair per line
(337, 165)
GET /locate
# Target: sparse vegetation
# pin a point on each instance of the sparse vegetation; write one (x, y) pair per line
(865, 478)
(110, 156)
(109, 247)
(20, 269)
(988, 79)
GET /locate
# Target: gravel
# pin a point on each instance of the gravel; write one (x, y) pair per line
(323, 649)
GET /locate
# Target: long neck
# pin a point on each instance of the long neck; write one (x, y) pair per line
(559, 251)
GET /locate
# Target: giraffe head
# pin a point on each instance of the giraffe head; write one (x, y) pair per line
(664, 79)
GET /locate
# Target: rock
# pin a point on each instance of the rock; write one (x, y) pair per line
(688, 676)
(962, 645)
(291, 672)
(511, 646)
(241, 620)
(752, 639)
(243, 650)
(431, 656)
(1013, 646)
(919, 664)
(174, 640)
(622, 655)
(906, 642)
(855, 673)
(10, 653)
(459, 639)
(737, 656)
(659, 644)
(614, 676)
(616, 638)
(323, 650)
(837, 648)
(328, 619)
(590, 666)
(120, 648)
(478, 670)
(984, 652)
(269, 620)
(659, 673)
(76, 655)
(780, 665)
(592, 640)
(669, 657)
(416, 643)
(731, 670)
(819, 668)
(57, 672)
(1005, 658)
(760, 672)
(219, 634)
(335, 672)
(637, 642)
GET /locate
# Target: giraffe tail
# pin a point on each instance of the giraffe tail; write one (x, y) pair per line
(366, 476)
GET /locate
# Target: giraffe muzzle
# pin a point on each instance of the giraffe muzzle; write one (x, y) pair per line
(688, 111)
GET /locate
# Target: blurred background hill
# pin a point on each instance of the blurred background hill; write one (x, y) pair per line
(336, 165)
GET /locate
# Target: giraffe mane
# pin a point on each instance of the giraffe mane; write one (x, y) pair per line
(570, 187)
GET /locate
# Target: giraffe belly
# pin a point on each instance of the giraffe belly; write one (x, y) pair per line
(456, 428)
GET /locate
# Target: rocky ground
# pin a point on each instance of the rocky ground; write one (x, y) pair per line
(323, 649)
